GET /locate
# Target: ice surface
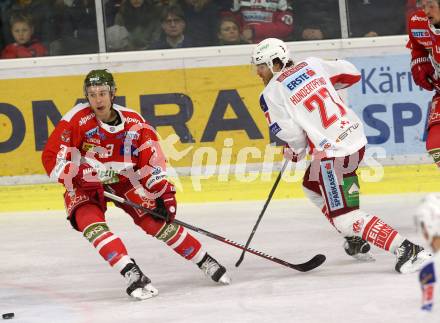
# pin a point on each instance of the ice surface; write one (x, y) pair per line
(50, 273)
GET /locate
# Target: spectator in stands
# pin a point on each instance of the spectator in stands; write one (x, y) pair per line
(142, 22)
(229, 32)
(58, 7)
(263, 19)
(117, 38)
(161, 4)
(25, 45)
(78, 33)
(2, 42)
(202, 18)
(5, 4)
(224, 5)
(370, 18)
(316, 20)
(173, 27)
(42, 17)
(111, 8)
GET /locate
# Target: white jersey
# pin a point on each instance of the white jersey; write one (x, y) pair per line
(429, 281)
(303, 108)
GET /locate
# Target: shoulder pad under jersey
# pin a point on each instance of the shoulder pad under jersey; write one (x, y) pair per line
(131, 116)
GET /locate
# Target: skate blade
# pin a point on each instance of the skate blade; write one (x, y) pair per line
(225, 280)
(413, 266)
(147, 292)
(364, 257)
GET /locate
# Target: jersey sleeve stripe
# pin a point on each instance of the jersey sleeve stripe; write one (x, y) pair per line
(342, 81)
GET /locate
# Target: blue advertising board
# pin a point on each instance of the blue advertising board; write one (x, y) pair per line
(393, 109)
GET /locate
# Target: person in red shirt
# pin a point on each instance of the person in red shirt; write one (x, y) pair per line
(101, 145)
(424, 43)
(263, 19)
(25, 46)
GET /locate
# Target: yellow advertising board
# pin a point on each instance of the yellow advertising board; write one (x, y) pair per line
(205, 115)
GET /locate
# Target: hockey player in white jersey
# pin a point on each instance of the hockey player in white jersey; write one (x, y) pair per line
(428, 219)
(302, 107)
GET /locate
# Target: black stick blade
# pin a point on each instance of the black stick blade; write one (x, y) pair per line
(316, 261)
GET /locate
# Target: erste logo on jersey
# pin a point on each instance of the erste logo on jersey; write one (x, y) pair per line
(92, 132)
(420, 33)
(299, 79)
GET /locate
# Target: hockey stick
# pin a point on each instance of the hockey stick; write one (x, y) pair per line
(272, 191)
(308, 265)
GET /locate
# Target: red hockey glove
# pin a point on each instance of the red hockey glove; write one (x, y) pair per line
(87, 181)
(166, 204)
(87, 178)
(289, 154)
(423, 72)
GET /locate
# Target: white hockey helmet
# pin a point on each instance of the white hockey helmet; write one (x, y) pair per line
(428, 216)
(269, 49)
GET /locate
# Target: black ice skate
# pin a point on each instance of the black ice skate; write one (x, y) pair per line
(214, 270)
(410, 257)
(358, 248)
(139, 285)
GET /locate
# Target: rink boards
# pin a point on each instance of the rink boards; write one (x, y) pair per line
(204, 104)
(396, 179)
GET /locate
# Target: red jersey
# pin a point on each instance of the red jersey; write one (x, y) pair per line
(267, 18)
(33, 49)
(424, 39)
(128, 151)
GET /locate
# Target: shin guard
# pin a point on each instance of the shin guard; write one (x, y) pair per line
(182, 242)
(381, 234)
(370, 228)
(109, 246)
(90, 221)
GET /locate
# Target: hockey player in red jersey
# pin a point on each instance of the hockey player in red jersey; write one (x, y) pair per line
(302, 107)
(424, 43)
(100, 144)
